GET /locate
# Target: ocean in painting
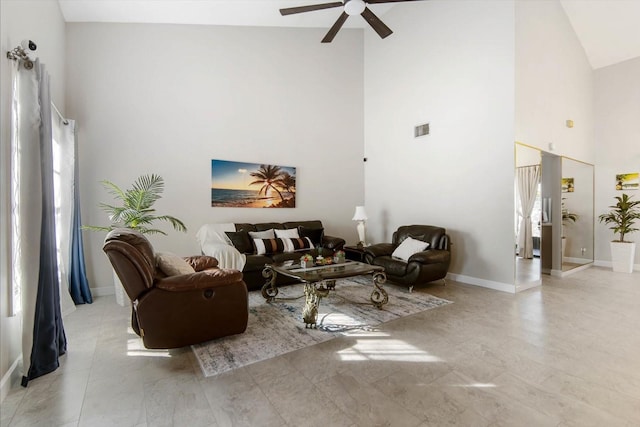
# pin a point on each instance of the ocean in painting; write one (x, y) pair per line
(240, 198)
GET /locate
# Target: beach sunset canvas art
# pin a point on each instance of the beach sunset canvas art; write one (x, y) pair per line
(252, 185)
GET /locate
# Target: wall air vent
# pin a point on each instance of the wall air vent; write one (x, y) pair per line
(421, 130)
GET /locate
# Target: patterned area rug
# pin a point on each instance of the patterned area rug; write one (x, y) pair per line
(277, 328)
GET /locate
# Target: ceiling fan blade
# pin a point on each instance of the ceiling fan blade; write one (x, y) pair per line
(335, 28)
(387, 1)
(375, 22)
(310, 8)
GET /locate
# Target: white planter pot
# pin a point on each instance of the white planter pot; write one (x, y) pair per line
(622, 256)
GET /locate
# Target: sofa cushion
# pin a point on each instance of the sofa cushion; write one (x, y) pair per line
(243, 226)
(264, 234)
(392, 266)
(315, 234)
(268, 246)
(201, 262)
(309, 224)
(294, 245)
(408, 247)
(257, 262)
(426, 233)
(262, 226)
(289, 234)
(288, 256)
(241, 241)
(172, 265)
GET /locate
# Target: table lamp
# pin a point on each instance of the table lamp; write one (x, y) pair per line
(361, 216)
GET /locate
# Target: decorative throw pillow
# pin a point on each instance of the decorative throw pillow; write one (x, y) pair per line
(291, 233)
(172, 265)
(408, 247)
(241, 241)
(299, 244)
(268, 246)
(267, 234)
(315, 234)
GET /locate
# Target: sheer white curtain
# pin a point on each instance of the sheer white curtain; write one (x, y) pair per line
(35, 282)
(63, 171)
(527, 179)
(26, 205)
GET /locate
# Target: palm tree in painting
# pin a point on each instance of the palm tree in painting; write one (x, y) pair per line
(270, 177)
(288, 182)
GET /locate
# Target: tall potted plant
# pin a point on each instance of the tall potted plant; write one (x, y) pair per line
(135, 210)
(622, 217)
(567, 218)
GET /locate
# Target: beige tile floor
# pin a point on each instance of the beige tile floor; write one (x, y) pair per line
(565, 354)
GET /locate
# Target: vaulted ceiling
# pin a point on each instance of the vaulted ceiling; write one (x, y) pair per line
(609, 30)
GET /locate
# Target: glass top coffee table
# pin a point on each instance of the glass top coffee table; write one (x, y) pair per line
(320, 280)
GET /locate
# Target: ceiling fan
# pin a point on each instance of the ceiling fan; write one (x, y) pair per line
(350, 7)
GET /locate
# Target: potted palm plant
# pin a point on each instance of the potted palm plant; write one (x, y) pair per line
(135, 210)
(622, 217)
(567, 218)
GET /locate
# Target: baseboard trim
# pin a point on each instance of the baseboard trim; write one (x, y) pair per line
(490, 284)
(103, 291)
(560, 273)
(608, 264)
(577, 260)
(525, 286)
(11, 377)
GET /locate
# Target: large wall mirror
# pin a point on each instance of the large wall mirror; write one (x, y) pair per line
(528, 216)
(577, 206)
(554, 215)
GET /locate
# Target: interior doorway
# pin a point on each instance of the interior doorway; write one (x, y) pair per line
(528, 216)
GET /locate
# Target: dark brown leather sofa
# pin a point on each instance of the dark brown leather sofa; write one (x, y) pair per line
(252, 270)
(422, 267)
(176, 311)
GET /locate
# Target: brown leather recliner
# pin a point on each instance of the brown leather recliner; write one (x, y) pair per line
(422, 267)
(175, 311)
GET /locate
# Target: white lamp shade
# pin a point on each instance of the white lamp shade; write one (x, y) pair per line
(360, 215)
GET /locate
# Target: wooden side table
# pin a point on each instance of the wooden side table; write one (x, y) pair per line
(354, 253)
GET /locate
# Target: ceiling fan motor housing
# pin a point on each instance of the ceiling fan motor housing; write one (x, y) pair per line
(354, 7)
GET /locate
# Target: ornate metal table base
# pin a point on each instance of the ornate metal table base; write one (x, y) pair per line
(315, 291)
(269, 289)
(379, 296)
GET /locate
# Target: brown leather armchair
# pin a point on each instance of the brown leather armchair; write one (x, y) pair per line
(422, 267)
(175, 311)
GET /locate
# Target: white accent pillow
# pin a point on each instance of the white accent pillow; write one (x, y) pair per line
(172, 265)
(267, 234)
(408, 247)
(291, 233)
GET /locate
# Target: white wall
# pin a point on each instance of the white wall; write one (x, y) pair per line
(617, 134)
(451, 64)
(40, 21)
(169, 98)
(554, 82)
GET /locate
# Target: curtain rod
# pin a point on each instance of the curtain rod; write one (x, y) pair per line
(64, 120)
(20, 52)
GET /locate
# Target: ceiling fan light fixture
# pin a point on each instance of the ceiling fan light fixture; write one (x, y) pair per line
(354, 7)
